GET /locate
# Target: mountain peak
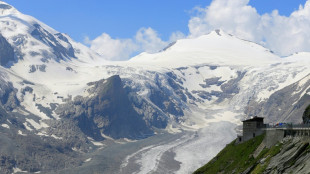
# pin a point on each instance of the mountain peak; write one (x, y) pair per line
(35, 43)
(217, 32)
(6, 9)
(217, 47)
(5, 5)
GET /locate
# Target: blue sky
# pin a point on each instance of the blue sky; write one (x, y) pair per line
(122, 18)
(120, 29)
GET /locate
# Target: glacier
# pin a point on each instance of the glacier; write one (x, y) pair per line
(188, 99)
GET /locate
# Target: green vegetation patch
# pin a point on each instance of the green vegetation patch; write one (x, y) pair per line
(234, 158)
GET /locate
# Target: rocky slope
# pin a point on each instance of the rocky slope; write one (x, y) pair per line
(288, 156)
(108, 111)
(260, 155)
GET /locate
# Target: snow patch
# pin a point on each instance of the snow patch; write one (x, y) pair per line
(75, 149)
(129, 140)
(56, 137)
(8, 121)
(21, 133)
(18, 170)
(97, 143)
(36, 125)
(27, 127)
(106, 137)
(87, 160)
(5, 126)
(30, 106)
(46, 135)
(171, 128)
(18, 110)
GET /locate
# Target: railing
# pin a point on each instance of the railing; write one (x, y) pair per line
(288, 126)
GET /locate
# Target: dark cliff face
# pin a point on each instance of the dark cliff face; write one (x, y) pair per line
(8, 99)
(6, 52)
(108, 111)
(50, 40)
(306, 115)
(113, 102)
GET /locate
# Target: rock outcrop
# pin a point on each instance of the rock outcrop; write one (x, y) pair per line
(306, 115)
(107, 110)
(6, 52)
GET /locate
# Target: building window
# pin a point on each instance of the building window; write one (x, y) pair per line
(253, 135)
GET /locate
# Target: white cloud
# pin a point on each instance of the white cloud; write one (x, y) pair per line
(284, 35)
(149, 41)
(176, 36)
(112, 49)
(145, 40)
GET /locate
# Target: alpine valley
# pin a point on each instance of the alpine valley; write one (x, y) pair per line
(65, 109)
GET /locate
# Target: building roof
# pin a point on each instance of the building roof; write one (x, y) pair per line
(254, 119)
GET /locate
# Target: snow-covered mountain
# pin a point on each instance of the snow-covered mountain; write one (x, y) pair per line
(60, 100)
(216, 48)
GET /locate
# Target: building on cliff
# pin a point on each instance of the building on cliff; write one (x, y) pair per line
(252, 128)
